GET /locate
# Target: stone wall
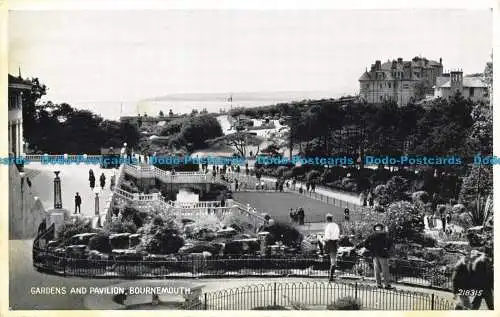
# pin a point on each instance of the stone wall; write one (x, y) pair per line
(26, 211)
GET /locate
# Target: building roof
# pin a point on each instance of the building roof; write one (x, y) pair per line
(18, 82)
(471, 82)
(365, 76)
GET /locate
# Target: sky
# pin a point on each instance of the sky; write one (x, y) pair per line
(89, 58)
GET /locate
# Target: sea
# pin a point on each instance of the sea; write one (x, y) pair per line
(214, 103)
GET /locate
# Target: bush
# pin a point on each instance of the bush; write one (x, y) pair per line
(100, 242)
(69, 229)
(285, 233)
(120, 226)
(164, 239)
(345, 303)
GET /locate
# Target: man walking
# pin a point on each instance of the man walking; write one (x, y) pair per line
(331, 238)
(78, 203)
(103, 180)
(379, 243)
(473, 277)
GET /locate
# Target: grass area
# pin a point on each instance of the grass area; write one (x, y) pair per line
(278, 206)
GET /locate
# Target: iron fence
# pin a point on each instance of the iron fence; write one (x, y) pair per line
(314, 295)
(82, 263)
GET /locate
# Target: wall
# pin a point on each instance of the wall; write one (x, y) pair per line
(479, 93)
(26, 212)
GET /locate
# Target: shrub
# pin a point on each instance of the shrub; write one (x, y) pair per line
(100, 242)
(164, 239)
(240, 222)
(345, 303)
(69, 229)
(404, 221)
(285, 233)
(120, 226)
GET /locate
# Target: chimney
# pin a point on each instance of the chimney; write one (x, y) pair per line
(400, 60)
(377, 65)
(456, 81)
(440, 61)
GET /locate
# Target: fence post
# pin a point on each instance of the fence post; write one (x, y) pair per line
(274, 301)
(356, 290)
(205, 306)
(432, 301)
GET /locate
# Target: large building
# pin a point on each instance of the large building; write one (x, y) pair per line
(15, 133)
(399, 81)
(472, 87)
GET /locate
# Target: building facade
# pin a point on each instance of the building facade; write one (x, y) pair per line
(471, 87)
(399, 81)
(15, 133)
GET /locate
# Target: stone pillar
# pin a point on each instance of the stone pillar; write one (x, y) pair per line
(56, 218)
(21, 138)
(18, 139)
(97, 204)
(10, 138)
(57, 191)
(262, 236)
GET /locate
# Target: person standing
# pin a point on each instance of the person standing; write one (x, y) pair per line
(346, 214)
(362, 199)
(371, 199)
(78, 203)
(473, 276)
(102, 179)
(379, 244)
(301, 216)
(313, 186)
(112, 182)
(308, 186)
(236, 184)
(292, 215)
(331, 238)
(92, 180)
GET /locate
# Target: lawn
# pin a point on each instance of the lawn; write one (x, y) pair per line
(278, 206)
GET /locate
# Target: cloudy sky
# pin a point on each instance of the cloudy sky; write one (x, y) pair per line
(87, 57)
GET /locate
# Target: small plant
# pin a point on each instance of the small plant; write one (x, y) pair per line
(345, 303)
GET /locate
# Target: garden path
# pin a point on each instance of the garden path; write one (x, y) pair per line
(74, 178)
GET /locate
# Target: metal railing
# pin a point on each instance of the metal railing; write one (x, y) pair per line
(314, 295)
(58, 261)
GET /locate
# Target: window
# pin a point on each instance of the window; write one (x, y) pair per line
(381, 98)
(380, 86)
(405, 86)
(471, 92)
(389, 85)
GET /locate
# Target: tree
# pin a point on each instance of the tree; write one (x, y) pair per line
(239, 141)
(476, 187)
(160, 114)
(170, 113)
(197, 129)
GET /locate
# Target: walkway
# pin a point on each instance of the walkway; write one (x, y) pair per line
(74, 178)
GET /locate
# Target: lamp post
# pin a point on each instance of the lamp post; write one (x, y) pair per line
(97, 203)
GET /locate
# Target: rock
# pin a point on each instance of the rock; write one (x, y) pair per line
(225, 233)
(242, 246)
(134, 240)
(420, 196)
(458, 209)
(119, 240)
(96, 255)
(81, 239)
